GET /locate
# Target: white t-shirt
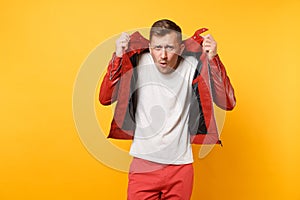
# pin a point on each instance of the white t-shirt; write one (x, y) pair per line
(162, 112)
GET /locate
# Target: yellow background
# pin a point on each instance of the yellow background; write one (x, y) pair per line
(44, 43)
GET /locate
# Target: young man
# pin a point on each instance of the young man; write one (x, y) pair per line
(164, 90)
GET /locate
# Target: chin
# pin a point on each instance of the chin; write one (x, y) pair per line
(165, 70)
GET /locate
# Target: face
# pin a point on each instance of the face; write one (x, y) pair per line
(165, 51)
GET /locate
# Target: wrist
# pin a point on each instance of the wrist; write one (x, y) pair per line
(118, 54)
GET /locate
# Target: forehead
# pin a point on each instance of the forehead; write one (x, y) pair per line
(169, 38)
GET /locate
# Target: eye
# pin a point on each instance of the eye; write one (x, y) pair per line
(169, 48)
(158, 47)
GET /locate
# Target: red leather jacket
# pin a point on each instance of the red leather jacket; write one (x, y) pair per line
(210, 84)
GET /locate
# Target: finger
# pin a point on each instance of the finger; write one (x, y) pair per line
(207, 47)
(209, 39)
(208, 36)
(124, 44)
(125, 47)
(123, 41)
(210, 45)
(207, 44)
(125, 36)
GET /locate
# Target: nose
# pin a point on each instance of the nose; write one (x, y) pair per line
(163, 53)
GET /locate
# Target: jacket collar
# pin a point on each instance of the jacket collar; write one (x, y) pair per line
(139, 43)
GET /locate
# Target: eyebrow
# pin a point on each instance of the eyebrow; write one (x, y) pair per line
(159, 45)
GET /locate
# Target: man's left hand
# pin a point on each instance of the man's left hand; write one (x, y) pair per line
(210, 46)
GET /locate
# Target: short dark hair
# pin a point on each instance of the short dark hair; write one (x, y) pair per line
(165, 26)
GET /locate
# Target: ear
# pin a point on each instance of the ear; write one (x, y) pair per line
(181, 48)
(150, 48)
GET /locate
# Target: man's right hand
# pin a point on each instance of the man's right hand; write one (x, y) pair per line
(122, 44)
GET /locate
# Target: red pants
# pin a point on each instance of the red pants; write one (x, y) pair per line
(153, 181)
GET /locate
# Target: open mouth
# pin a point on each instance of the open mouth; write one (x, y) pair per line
(163, 64)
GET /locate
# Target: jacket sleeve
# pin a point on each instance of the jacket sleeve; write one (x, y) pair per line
(222, 90)
(110, 84)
